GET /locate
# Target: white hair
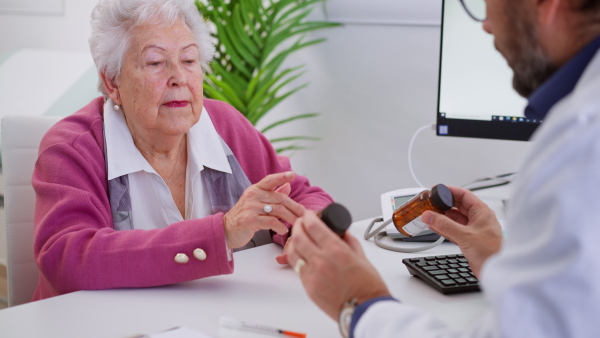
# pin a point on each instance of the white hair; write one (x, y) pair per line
(113, 20)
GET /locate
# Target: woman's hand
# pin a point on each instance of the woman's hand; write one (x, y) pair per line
(248, 215)
(336, 270)
(471, 225)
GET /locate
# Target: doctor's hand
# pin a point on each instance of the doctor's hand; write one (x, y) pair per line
(471, 225)
(335, 270)
(249, 214)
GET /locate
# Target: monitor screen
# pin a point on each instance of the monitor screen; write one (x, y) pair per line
(475, 93)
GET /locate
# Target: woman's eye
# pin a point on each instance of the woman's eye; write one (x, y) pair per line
(190, 61)
(154, 63)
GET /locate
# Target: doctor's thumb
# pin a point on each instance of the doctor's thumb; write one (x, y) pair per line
(442, 225)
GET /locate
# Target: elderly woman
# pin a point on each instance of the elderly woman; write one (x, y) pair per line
(152, 184)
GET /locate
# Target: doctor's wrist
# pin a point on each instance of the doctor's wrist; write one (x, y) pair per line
(361, 308)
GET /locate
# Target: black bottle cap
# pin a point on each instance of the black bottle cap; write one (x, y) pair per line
(442, 197)
(337, 218)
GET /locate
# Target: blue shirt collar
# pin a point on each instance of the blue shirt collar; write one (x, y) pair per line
(561, 83)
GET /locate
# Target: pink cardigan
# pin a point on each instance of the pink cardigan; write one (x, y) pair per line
(76, 247)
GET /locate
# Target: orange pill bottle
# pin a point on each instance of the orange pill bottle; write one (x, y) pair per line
(407, 218)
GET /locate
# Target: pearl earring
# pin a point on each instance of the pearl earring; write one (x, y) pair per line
(117, 107)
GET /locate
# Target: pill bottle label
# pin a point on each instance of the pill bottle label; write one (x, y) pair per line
(415, 227)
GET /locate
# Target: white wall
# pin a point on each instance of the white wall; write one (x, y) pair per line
(375, 85)
(69, 31)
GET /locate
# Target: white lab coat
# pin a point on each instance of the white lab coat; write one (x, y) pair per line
(545, 281)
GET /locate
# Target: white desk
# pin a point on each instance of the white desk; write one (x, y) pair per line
(260, 291)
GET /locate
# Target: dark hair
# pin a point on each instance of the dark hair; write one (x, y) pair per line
(587, 5)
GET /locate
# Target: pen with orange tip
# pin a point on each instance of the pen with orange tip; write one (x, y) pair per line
(235, 324)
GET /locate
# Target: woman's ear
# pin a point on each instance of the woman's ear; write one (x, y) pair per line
(111, 89)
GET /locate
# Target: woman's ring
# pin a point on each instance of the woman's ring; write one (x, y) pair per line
(267, 208)
(299, 264)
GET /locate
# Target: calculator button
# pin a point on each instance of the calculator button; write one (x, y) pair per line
(452, 270)
(432, 263)
(464, 260)
(442, 261)
(472, 280)
(463, 269)
(450, 256)
(429, 268)
(452, 261)
(437, 272)
(431, 258)
(461, 281)
(448, 282)
(465, 275)
(454, 265)
(441, 277)
(465, 265)
(443, 266)
(453, 275)
(440, 257)
(414, 260)
(421, 264)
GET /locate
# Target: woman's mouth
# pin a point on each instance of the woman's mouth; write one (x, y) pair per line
(176, 104)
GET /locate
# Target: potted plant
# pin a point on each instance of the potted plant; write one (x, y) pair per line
(253, 39)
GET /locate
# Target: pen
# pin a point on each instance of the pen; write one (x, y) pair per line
(239, 325)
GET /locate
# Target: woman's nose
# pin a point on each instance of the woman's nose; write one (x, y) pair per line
(177, 77)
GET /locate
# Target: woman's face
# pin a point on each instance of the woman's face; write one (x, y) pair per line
(160, 85)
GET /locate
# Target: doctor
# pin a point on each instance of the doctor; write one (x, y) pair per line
(543, 280)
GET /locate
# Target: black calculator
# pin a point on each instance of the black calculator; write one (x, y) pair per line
(446, 273)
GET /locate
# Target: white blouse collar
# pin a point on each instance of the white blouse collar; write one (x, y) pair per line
(123, 157)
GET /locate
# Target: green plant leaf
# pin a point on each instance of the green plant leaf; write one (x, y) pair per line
(290, 119)
(289, 148)
(249, 12)
(286, 10)
(253, 40)
(287, 81)
(253, 84)
(310, 26)
(262, 90)
(294, 138)
(232, 52)
(274, 63)
(255, 116)
(235, 38)
(242, 26)
(257, 113)
(229, 93)
(236, 82)
(279, 35)
(213, 93)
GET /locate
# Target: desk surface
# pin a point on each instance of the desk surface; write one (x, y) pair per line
(259, 291)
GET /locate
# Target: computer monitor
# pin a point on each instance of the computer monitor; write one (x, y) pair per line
(475, 93)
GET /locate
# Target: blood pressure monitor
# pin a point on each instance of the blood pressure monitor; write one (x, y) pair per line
(391, 201)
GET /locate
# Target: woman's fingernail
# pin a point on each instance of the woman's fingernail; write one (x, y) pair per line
(289, 174)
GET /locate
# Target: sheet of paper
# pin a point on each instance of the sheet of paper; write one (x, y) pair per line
(180, 332)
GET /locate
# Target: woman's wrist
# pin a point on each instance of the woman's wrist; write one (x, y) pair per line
(225, 228)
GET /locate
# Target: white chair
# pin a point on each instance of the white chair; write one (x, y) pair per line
(21, 136)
